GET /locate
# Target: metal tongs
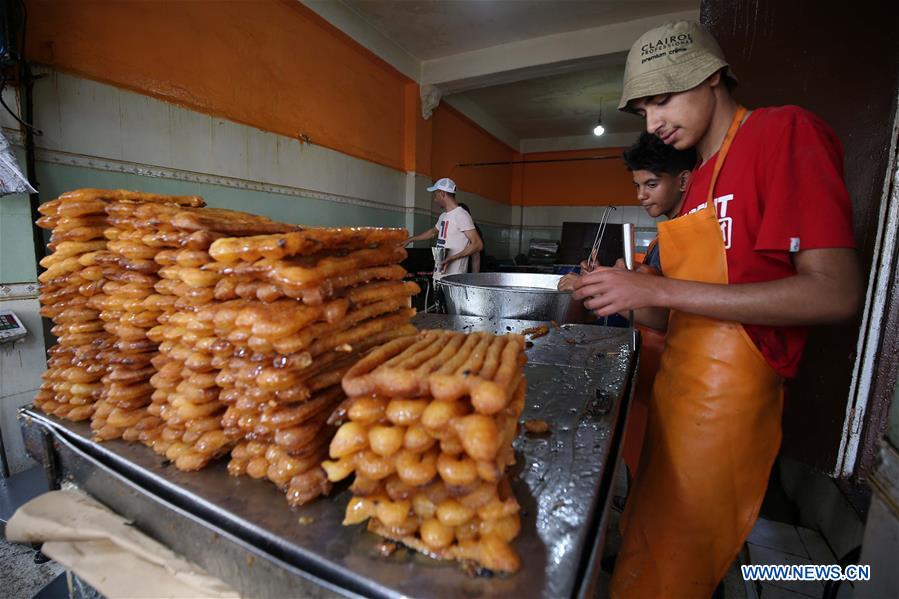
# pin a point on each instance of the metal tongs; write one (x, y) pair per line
(629, 239)
(597, 241)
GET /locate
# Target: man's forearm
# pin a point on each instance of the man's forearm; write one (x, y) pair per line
(826, 288)
(470, 249)
(792, 301)
(423, 236)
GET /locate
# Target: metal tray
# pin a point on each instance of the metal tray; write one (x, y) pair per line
(242, 530)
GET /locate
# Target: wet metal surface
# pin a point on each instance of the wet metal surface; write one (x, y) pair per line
(242, 530)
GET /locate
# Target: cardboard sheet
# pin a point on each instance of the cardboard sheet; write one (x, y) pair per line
(105, 550)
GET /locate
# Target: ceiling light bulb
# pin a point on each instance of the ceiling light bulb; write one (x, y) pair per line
(599, 130)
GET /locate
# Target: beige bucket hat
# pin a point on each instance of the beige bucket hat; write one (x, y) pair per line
(671, 58)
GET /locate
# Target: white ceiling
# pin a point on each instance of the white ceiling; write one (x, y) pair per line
(532, 72)
(558, 105)
(429, 29)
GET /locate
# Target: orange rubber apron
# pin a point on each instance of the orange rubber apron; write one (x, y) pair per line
(714, 430)
(652, 342)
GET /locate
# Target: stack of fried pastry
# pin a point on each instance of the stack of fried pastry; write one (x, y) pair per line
(173, 297)
(72, 294)
(71, 383)
(428, 430)
(185, 394)
(298, 309)
(129, 312)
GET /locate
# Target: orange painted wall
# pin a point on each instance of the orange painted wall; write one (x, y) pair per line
(456, 139)
(272, 64)
(419, 134)
(582, 183)
(276, 65)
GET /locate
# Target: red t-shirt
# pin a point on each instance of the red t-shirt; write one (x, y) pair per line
(780, 191)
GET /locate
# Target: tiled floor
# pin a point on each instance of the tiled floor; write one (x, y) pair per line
(20, 577)
(778, 543)
(769, 543)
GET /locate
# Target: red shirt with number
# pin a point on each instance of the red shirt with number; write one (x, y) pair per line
(780, 191)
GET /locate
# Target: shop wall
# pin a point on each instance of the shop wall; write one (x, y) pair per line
(22, 362)
(156, 146)
(16, 247)
(270, 64)
(457, 140)
(576, 183)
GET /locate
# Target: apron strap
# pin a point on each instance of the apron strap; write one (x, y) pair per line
(722, 154)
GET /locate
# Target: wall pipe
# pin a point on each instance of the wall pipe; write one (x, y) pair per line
(507, 162)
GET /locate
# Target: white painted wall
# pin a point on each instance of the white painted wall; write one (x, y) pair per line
(84, 120)
(21, 362)
(21, 365)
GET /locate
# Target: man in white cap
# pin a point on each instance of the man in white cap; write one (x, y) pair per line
(455, 231)
(762, 248)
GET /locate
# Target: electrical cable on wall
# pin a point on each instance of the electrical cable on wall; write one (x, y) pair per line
(11, 178)
(34, 130)
(541, 161)
(15, 59)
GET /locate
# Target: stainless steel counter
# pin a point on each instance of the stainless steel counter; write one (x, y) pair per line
(243, 531)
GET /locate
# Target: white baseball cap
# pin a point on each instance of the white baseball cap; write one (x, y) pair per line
(445, 184)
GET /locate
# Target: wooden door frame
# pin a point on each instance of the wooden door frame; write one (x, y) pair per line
(877, 365)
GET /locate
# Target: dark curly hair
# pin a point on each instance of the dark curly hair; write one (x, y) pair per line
(650, 153)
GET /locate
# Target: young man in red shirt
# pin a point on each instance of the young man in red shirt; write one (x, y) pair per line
(762, 248)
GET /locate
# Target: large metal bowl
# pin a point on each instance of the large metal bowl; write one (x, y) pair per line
(524, 296)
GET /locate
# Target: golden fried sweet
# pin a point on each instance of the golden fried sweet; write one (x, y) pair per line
(428, 432)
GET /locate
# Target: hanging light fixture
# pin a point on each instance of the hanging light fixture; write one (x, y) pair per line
(599, 129)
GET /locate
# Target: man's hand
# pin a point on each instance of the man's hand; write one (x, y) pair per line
(475, 245)
(608, 291)
(446, 262)
(429, 234)
(566, 283)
